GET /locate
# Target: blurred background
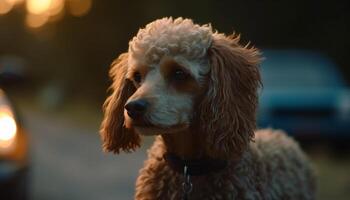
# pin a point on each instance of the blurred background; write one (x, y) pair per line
(54, 61)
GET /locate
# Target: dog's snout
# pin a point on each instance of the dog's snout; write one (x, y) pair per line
(137, 108)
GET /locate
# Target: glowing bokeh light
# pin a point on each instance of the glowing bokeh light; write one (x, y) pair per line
(8, 128)
(7, 132)
(40, 12)
(56, 7)
(57, 17)
(5, 6)
(79, 8)
(36, 21)
(14, 2)
(38, 7)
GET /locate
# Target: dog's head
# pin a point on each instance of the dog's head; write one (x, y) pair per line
(178, 75)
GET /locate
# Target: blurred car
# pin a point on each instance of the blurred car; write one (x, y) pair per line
(304, 94)
(13, 151)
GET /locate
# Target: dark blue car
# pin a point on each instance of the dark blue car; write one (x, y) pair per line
(304, 94)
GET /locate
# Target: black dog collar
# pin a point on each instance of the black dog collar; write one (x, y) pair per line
(197, 167)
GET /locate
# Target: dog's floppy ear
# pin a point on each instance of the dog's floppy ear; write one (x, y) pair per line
(115, 136)
(228, 111)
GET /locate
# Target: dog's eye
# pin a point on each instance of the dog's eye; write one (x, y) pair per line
(137, 77)
(179, 75)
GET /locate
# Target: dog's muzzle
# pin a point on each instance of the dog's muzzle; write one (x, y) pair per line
(136, 109)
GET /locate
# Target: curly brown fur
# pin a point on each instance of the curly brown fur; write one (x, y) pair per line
(115, 136)
(201, 92)
(273, 167)
(227, 112)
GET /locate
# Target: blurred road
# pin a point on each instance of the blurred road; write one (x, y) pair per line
(68, 163)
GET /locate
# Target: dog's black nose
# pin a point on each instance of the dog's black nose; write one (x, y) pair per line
(137, 108)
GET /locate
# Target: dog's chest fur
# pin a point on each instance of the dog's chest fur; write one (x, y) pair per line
(252, 177)
(158, 181)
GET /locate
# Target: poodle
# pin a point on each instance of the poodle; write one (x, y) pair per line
(196, 90)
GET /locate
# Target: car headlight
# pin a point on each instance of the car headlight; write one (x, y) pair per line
(8, 129)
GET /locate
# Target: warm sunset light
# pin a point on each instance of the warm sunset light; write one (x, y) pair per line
(79, 7)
